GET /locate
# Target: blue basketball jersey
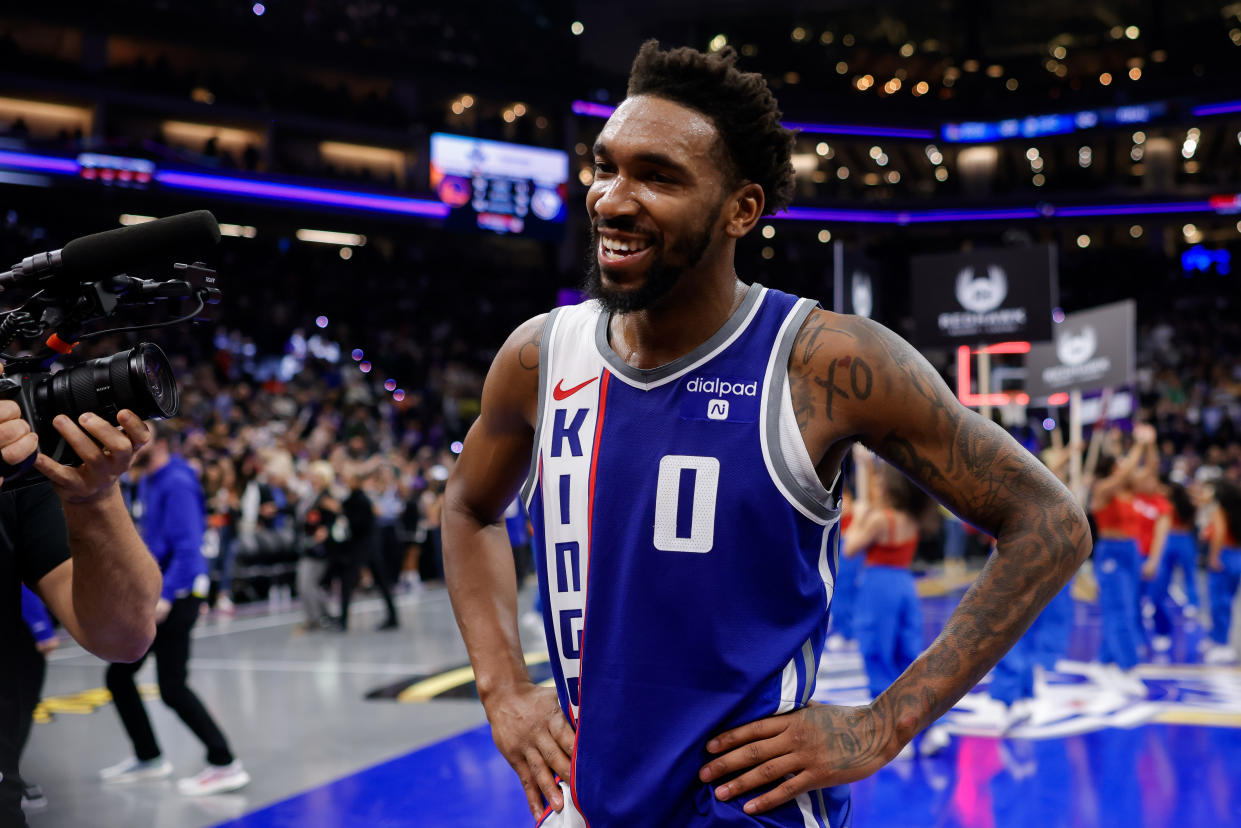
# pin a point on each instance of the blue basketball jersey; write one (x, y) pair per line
(685, 550)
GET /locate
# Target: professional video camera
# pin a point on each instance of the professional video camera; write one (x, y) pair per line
(65, 293)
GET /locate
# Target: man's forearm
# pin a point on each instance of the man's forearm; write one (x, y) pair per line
(1038, 551)
(478, 568)
(116, 582)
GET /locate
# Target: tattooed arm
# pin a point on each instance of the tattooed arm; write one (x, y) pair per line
(526, 722)
(850, 380)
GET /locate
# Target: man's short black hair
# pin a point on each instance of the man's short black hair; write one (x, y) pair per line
(739, 104)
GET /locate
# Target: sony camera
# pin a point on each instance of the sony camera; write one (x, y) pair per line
(65, 294)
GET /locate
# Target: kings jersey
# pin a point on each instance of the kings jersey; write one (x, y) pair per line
(686, 553)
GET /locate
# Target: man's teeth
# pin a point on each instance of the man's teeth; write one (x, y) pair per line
(622, 247)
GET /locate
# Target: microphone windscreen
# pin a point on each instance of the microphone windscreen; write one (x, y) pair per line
(185, 237)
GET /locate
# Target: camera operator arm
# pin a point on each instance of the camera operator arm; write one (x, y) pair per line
(105, 595)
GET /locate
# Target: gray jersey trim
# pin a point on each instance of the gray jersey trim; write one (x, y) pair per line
(809, 499)
(545, 347)
(650, 377)
(807, 655)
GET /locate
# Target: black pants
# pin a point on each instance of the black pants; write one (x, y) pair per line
(11, 814)
(172, 655)
(31, 670)
(365, 552)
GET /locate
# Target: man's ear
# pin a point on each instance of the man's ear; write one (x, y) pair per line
(743, 209)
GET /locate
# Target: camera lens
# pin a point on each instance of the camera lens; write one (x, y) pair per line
(139, 379)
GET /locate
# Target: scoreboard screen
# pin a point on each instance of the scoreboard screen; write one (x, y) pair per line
(500, 187)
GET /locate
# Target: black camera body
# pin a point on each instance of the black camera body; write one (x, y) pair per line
(66, 291)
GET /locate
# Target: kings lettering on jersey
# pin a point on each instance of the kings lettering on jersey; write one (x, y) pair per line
(564, 481)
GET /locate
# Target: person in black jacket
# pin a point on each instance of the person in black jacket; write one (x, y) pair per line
(363, 550)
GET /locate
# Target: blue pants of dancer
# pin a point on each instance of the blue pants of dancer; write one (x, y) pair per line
(888, 624)
(1116, 569)
(1052, 629)
(844, 597)
(1222, 587)
(1044, 643)
(1013, 677)
(1180, 552)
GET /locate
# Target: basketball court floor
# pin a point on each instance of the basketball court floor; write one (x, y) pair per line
(383, 729)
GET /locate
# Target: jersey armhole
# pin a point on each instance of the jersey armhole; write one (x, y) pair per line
(545, 347)
(784, 449)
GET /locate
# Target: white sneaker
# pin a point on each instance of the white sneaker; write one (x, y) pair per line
(215, 779)
(134, 769)
(934, 740)
(1017, 714)
(1161, 643)
(1219, 654)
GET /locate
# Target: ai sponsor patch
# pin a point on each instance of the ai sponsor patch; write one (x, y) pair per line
(720, 399)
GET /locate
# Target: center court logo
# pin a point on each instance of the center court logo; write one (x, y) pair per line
(722, 388)
(983, 294)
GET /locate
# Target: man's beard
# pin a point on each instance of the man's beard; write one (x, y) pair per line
(661, 276)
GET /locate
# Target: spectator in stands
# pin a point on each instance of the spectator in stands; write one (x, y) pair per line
(322, 529)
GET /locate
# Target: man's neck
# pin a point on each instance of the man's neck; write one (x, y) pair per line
(678, 323)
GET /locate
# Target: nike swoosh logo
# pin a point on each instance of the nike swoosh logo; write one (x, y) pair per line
(561, 394)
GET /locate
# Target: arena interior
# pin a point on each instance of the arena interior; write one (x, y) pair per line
(1043, 198)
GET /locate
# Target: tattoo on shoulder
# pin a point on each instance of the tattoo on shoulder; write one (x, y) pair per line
(528, 354)
(812, 337)
(861, 381)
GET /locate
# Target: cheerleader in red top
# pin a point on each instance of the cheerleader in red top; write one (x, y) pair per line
(1223, 568)
(1116, 563)
(1180, 550)
(888, 617)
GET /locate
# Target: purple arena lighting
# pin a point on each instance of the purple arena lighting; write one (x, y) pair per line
(302, 194)
(321, 321)
(357, 354)
(1224, 108)
(42, 163)
(593, 110)
(1042, 210)
(862, 129)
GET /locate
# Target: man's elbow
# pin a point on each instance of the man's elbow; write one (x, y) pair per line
(126, 639)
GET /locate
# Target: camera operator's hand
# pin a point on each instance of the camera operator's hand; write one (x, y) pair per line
(104, 458)
(17, 441)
